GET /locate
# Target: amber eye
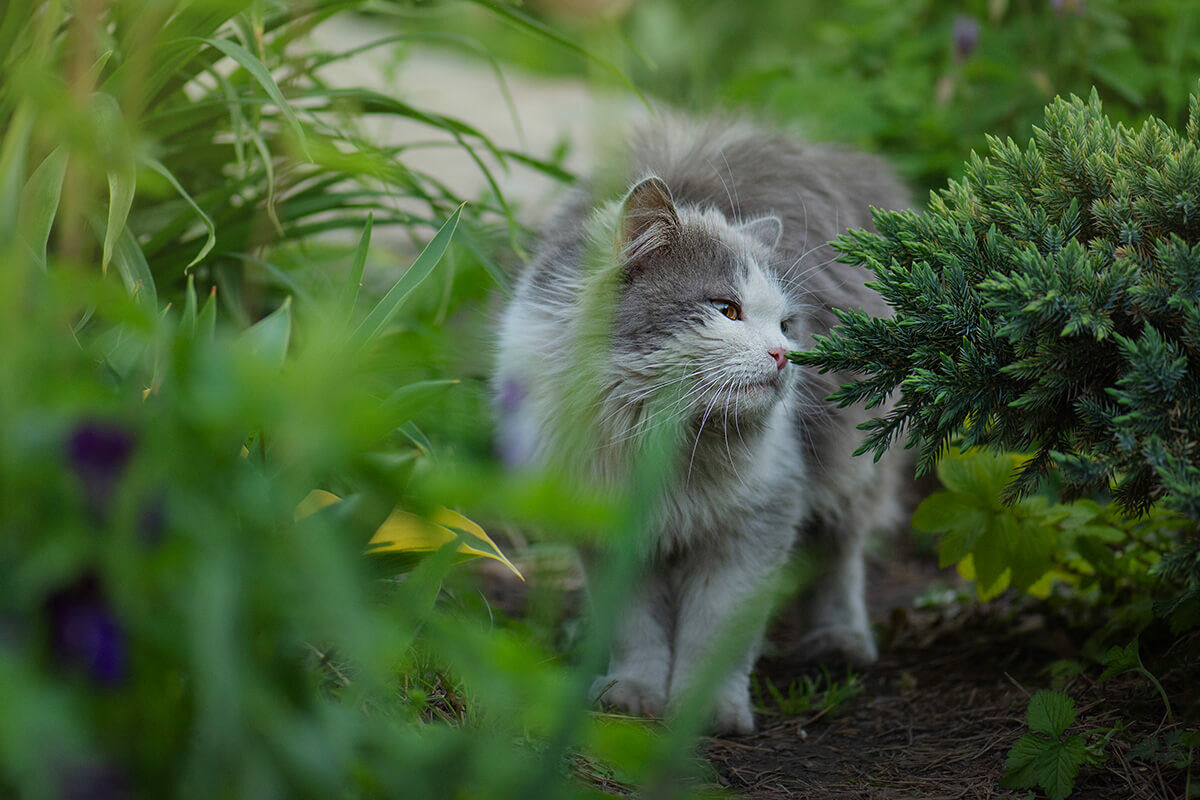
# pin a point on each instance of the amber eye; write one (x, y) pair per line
(728, 308)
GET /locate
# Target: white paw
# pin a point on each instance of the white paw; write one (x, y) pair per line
(838, 644)
(733, 713)
(627, 693)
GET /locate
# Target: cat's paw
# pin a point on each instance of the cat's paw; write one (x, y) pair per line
(627, 693)
(733, 713)
(839, 644)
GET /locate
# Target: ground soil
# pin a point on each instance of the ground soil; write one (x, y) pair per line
(941, 708)
(939, 711)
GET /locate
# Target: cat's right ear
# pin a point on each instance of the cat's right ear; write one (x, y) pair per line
(648, 219)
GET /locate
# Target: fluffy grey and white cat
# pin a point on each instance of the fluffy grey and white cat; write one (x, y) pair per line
(693, 287)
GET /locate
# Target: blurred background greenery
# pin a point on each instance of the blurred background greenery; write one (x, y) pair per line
(188, 206)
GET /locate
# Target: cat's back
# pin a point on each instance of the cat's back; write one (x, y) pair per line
(818, 190)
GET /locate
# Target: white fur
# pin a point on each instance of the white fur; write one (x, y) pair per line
(731, 513)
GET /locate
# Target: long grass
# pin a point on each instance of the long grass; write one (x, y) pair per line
(190, 345)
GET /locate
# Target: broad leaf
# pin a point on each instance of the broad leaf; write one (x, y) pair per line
(1058, 765)
(406, 534)
(1050, 712)
(1119, 660)
(948, 511)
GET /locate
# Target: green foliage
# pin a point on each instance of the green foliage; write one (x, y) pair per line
(1044, 757)
(821, 693)
(190, 350)
(1032, 542)
(1047, 303)
(922, 81)
(213, 134)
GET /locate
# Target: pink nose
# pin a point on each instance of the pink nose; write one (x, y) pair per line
(780, 356)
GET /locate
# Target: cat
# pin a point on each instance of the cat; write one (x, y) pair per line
(680, 300)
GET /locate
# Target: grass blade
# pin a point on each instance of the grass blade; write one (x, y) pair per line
(383, 312)
(206, 323)
(261, 74)
(268, 338)
(122, 176)
(350, 293)
(39, 202)
(158, 167)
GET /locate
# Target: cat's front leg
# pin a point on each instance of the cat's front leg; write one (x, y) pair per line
(716, 599)
(639, 666)
(839, 628)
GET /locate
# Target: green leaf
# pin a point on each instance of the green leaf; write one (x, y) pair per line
(948, 511)
(206, 323)
(1119, 660)
(1058, 765)
(122, 173)
(350, 292)
(158, 167)
(407, 400)
(991, 549)
(261, 74)
(386, 308)
(12, 169)
(1019, 770)
(268, 338)
(39, 202)
(1050, 712)
(131, 265)
(189, 308)
(980, 474)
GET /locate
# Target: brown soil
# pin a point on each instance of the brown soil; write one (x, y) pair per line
(939, 711)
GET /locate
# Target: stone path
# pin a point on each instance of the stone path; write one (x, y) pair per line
(549, 111)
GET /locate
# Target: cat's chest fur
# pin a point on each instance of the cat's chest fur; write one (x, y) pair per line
(733, 484)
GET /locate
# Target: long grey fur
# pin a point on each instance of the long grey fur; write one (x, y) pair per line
(619, 323)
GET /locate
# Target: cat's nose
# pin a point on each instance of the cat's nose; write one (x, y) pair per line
(780, 356)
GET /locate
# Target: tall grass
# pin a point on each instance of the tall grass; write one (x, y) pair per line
(185, 354)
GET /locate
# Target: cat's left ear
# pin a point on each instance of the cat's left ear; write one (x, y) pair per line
(648, 218)
(764, 230)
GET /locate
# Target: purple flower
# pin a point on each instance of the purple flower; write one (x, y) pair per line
(515, 438)
(1074, 6)
(966, 36)
(84, 633)
(92, 780)
(99, 453)
(152, 523)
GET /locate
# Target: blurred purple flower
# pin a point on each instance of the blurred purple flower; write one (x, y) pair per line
(515, 437)
(1074, 6)
(152, 523)
(99, 453)
(966, 36)
(93, 780)
(83, 631)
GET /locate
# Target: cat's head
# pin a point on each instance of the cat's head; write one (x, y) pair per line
(699, 316)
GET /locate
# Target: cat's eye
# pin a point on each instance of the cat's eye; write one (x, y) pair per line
(728, 308)
(783, 327)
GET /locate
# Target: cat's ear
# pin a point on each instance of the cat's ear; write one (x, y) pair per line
(764, 230)
(648, 218)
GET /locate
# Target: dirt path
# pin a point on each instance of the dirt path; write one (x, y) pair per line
(938, 713)
(544, 113)
(935, 717)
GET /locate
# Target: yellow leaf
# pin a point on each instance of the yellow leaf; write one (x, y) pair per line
(316, 500)
(405, 532)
